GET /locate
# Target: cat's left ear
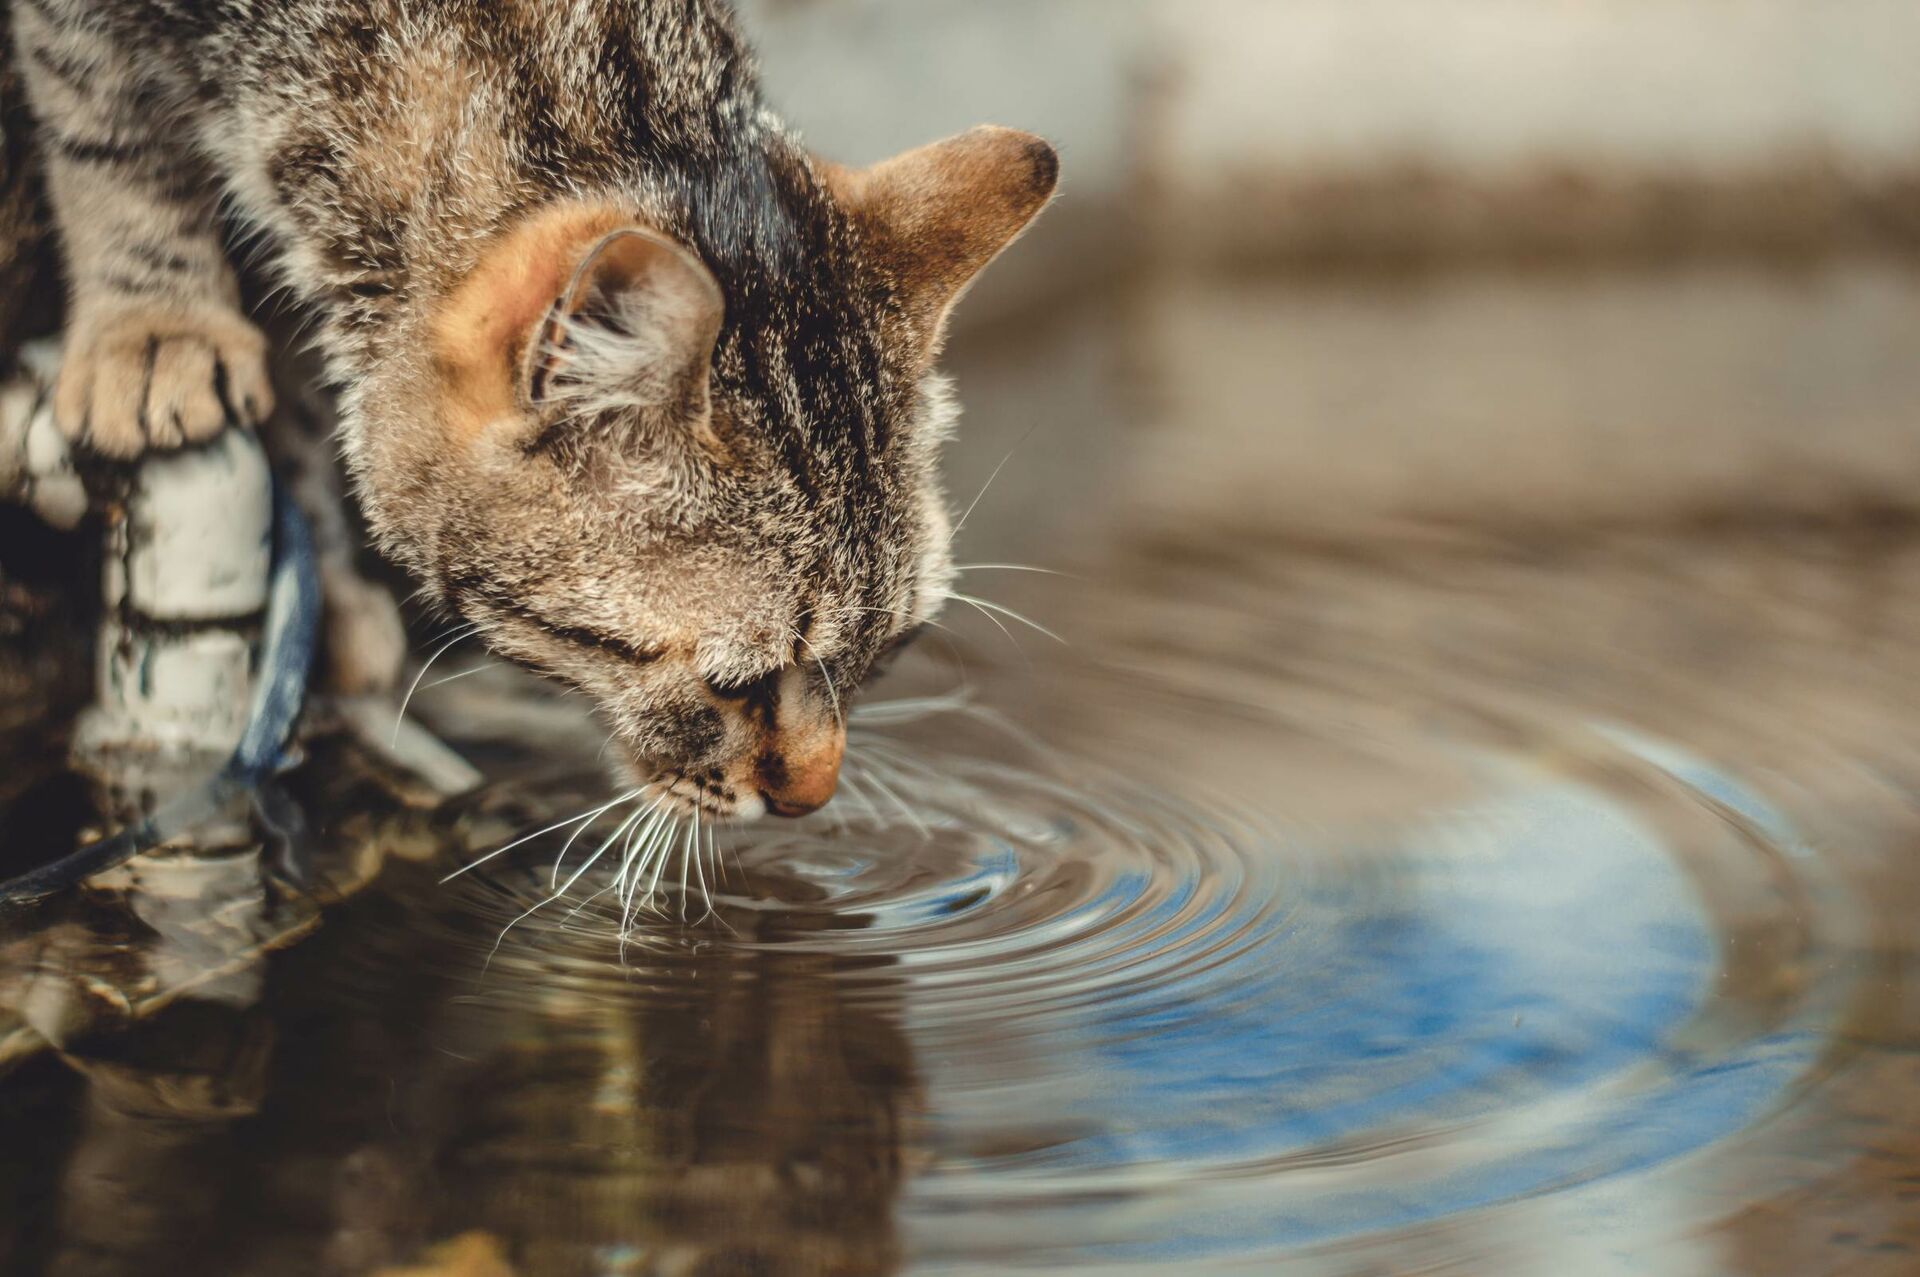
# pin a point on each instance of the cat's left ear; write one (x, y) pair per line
(634, 326)
(935, 217)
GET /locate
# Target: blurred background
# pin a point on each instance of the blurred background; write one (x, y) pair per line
(1322, 265)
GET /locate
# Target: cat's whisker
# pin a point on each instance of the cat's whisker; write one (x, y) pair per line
(1012, 567)
(701, 843)
(455, 678)
(660, 859)
(636, 840)
(634, 820)
(567, 847)
(553, 884)
(400, 716)
(998, 625)
(686, 854)
(307, 333)
(455, 630)
(893, 795)
(986, 605)
(575, 912)
(699, 872)
(915, 775)
(845, 798)
(831, 691)
(856, 792)
(720, 861)
(718, 877)
(519, 842)
(555, 898)
(902, 765)
(626, 882)
(901, 613)
(713, 854)
(626, 854)
(906, 709)
(636, 870)
(972, 505)
(581, 872)
(502, 937)
(910, 773)
(651, 853)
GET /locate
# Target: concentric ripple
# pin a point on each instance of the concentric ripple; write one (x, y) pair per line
(1149, 1029)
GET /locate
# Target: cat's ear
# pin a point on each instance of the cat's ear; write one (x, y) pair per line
(937, 215)
(632, 327)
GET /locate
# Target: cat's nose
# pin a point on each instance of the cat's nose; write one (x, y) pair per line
(794, 782)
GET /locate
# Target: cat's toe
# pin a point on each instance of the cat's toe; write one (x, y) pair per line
(141, 383)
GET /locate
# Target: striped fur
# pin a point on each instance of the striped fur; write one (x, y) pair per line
(432, 176)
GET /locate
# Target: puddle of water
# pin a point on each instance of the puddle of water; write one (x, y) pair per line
(1052, 1018)
(1478, 905)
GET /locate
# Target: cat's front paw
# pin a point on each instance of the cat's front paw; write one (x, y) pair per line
(144, 379)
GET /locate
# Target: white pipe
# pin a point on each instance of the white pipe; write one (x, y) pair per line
(185, 587)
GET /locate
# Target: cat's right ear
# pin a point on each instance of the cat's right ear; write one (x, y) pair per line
(633, 328)
(573, 312)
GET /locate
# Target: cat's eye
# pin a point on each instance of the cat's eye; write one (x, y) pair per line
(581, 636)
(594, 640)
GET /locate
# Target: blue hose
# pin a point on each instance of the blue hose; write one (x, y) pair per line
(280, 686)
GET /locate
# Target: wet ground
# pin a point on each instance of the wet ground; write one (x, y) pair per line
(1510, 895)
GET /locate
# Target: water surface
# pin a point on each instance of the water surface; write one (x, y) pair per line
(1482, 901)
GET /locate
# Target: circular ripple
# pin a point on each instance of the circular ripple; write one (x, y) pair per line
(1246, 1041)
(1147, 1029)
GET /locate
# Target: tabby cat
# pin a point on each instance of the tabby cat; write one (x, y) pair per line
(636, 385)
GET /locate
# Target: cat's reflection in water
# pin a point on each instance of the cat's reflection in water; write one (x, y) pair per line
(711, 1109)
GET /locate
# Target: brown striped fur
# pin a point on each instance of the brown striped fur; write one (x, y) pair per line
(638, 387)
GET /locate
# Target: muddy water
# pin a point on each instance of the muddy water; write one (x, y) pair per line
(1463, 902)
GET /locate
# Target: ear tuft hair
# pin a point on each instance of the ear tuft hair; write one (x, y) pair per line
(634, 329)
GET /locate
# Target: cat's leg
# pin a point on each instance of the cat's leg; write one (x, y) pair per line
(365, 639)
(158, 353)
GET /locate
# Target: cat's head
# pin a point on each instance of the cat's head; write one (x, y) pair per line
(680, 452)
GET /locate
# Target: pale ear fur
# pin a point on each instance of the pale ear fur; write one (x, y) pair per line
(634, 328)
